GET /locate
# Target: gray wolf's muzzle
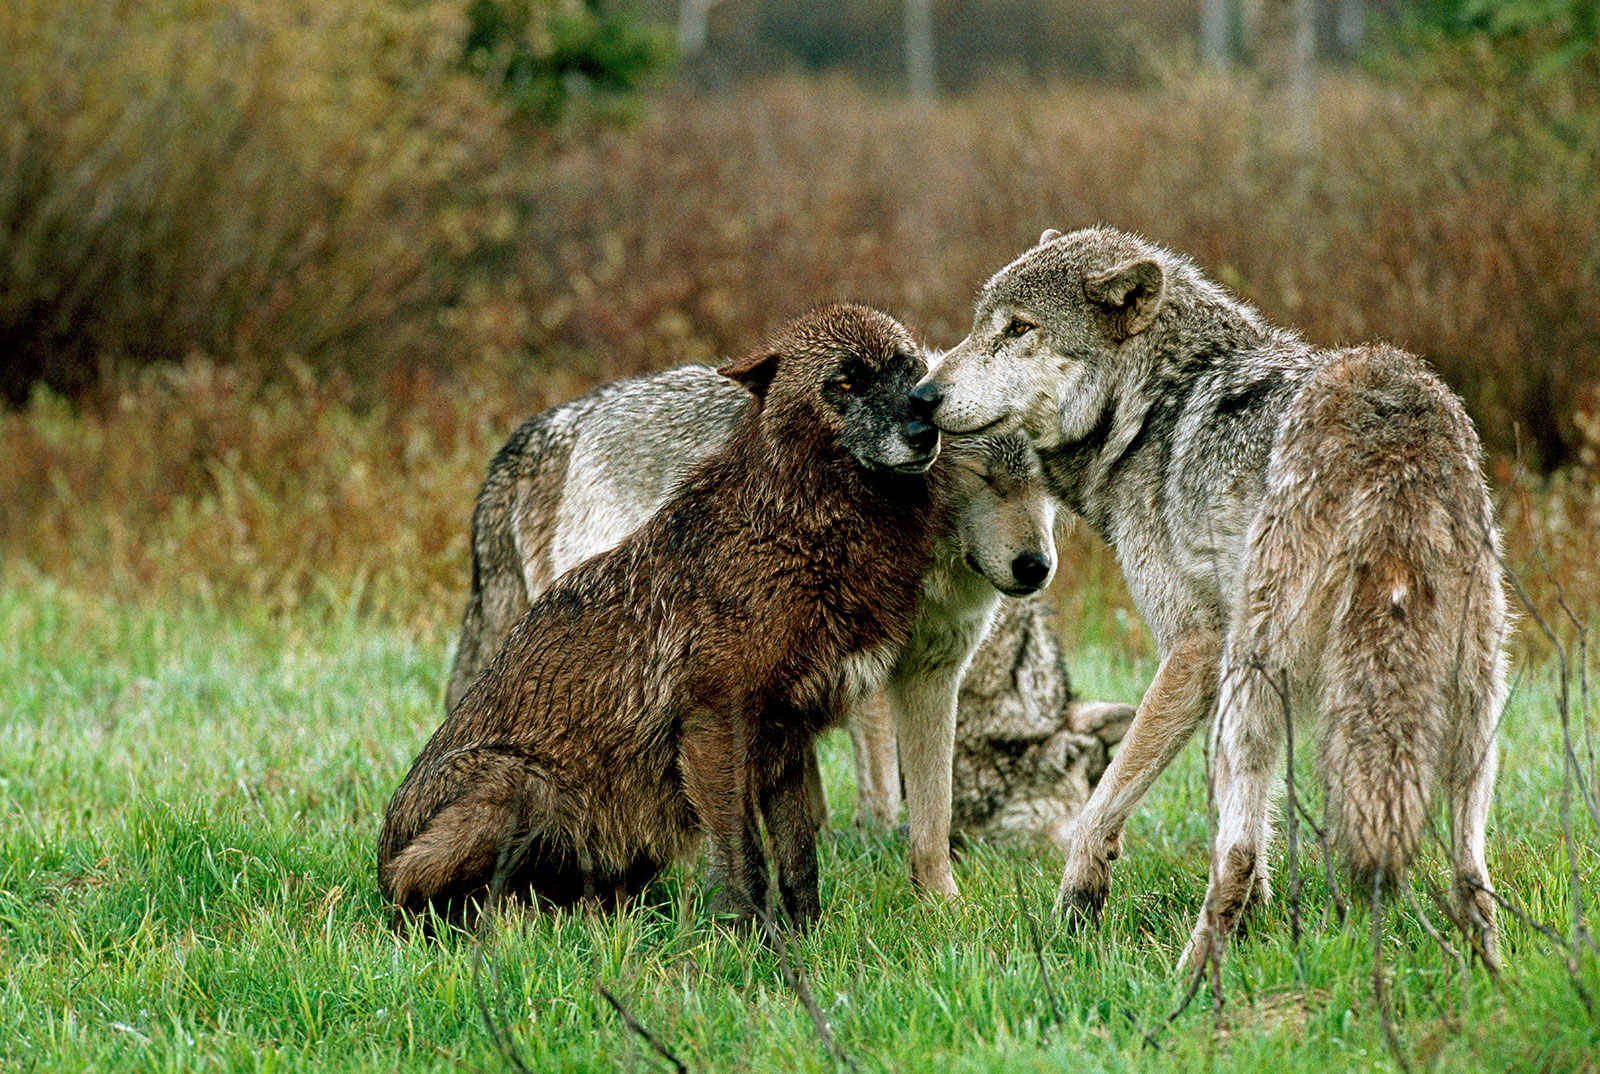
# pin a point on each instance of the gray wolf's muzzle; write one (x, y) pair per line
(1031, 570)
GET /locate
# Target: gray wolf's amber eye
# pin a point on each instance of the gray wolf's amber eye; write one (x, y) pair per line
(1019, 327)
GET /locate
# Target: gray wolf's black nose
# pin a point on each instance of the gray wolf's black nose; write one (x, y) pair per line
(1030, 569)
(926, 397)
(922, 436)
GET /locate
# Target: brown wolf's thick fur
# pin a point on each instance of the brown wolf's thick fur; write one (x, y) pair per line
(672, 686)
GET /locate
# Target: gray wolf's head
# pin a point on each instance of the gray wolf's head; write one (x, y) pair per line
(1050, 337)
(1003, 517)
(850, 370)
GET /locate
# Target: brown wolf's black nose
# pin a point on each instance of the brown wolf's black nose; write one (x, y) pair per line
(922, 436)
(1030, 569)
(926, 397)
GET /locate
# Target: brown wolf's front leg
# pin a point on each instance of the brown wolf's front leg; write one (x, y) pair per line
(1182, 695)
(794, 840)
(715, 761)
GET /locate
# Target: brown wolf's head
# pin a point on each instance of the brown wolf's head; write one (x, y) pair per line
(849, 371)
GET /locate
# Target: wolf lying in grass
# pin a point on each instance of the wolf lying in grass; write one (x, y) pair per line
(1301, 528)
(577, 478)
(673, 685)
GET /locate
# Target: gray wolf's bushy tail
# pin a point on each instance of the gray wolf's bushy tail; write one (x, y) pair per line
(1384, 705)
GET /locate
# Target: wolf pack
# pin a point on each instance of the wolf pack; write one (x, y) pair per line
(680, 581)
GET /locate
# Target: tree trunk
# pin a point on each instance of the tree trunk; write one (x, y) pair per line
(1350, 27)
(1216, 33)
(919, 49)
(692, 25)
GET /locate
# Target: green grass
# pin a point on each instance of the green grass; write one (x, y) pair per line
(189, 803)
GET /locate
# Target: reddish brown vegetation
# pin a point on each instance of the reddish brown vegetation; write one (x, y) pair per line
(1419, 217)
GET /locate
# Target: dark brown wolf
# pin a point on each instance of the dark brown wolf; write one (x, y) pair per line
(672, 686)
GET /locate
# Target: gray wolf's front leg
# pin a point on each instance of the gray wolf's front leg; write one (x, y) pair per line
(1181, 696)
(877, 766)
(1244, 776)
(924, 704)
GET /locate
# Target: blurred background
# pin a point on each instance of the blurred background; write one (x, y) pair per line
(278, 276)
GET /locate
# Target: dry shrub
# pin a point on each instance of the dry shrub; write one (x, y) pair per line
(1406, 220)
(253, 180)
(691, 236)
(202, 482)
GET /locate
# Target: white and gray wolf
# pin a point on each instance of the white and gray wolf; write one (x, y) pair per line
(1278, 510)
(672, 686)
(577, 478)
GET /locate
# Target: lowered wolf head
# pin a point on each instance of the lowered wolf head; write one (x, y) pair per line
(849, 369)
(1051, 338)
(1003, 518)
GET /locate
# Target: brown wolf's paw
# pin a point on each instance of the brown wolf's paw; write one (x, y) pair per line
(801, 909)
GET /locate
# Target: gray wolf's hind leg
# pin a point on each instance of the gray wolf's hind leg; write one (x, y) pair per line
(872, 737)
(816, 796)
(1248, 744)
(1469, 787)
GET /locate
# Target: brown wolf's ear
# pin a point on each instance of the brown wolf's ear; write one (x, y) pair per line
(755, 371)
(1050, 234)
(1129, 295)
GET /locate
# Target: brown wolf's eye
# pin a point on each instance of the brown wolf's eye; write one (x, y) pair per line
(1018, 327)
(843, 385)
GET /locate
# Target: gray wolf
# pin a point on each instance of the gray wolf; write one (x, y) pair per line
(1281, 513)
(1028, 750)
(673, 685)
(575, 479)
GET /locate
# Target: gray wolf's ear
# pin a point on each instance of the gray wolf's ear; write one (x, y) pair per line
(1129, 295)
(1050, 234)
(755, 371)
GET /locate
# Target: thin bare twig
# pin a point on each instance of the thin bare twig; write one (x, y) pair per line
(1548, 933)
(1336, 894)
(1434, 934)
(649, 1038)
(1380, 992)
(1038, 952)
(793, 976)
(1152, 1038)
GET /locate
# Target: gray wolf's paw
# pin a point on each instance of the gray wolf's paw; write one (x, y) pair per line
(1197, 950)
(1106, 720)
(1080, 907)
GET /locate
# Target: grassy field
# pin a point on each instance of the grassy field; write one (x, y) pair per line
(189, 801)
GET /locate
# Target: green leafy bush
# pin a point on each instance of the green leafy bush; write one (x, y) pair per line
(540, 54)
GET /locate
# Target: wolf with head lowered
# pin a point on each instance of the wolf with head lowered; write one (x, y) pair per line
(1303, 530)
(1015, 758)
(672, 686)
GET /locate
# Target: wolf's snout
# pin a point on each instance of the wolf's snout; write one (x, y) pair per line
(1030, 569)
(925, 399)
(921, 435)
